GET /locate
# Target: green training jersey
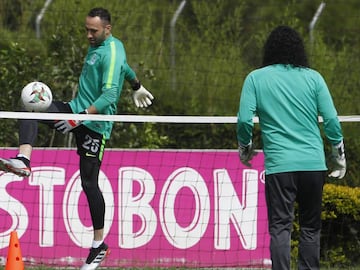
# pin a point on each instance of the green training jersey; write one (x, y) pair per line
(101, 82)
(288, 101)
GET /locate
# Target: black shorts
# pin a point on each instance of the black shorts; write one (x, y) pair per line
(90, 144)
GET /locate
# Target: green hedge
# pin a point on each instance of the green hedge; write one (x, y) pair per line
(340, 236)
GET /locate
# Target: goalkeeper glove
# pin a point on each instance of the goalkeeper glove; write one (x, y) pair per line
(64, 126)
(246, 153)
(338, 161)
(142, 97)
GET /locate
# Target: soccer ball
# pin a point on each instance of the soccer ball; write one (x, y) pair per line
(36, 97)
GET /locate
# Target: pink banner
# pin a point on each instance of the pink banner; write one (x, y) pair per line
(164, 208)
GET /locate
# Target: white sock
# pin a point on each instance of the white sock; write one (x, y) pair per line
(23, 156)
(96, 244)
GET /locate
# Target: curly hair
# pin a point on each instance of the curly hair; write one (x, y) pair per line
(285, 46)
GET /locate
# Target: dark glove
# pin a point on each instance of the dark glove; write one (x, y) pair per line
(338, 161)
(246, 153)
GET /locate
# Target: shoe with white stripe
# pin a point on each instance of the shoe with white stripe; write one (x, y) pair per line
(15, 166)
(96, 256)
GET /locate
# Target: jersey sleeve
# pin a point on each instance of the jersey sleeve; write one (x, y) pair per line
(327, 111)
(129, 72)
(247, 109)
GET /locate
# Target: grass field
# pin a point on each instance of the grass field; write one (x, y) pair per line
(104, 268)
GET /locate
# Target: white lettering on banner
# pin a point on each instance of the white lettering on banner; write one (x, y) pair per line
(40, 177)
(14, 208)
(139, 205)
(262, 177)
(177, 235)
(228, 207)
(80, 234)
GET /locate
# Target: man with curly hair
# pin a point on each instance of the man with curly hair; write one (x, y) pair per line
(288, 96)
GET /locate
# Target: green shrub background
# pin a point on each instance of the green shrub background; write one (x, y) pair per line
(340, 235)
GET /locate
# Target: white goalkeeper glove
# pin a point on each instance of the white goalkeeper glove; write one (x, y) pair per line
(246, 153)
(338, 161)
(142, 97)
(64, 126)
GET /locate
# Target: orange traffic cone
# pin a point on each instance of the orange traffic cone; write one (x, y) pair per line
(14, 259)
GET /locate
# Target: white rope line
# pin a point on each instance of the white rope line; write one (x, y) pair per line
(180, 119)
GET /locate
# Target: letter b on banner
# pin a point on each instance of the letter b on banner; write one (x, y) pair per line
(138, 205)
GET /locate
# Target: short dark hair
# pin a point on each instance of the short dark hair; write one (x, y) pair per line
(285, 46)
(102, 13)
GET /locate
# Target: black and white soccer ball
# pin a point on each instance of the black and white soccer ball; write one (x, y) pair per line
(36, 97)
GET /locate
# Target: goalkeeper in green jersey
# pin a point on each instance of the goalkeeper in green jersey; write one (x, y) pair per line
(100, 85)
(288, 97)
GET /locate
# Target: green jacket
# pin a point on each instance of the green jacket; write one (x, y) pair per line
(101, 82)
(288, 101)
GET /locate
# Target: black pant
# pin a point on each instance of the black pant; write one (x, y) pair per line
(90, 147)
(282, 190)
(28, 128)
